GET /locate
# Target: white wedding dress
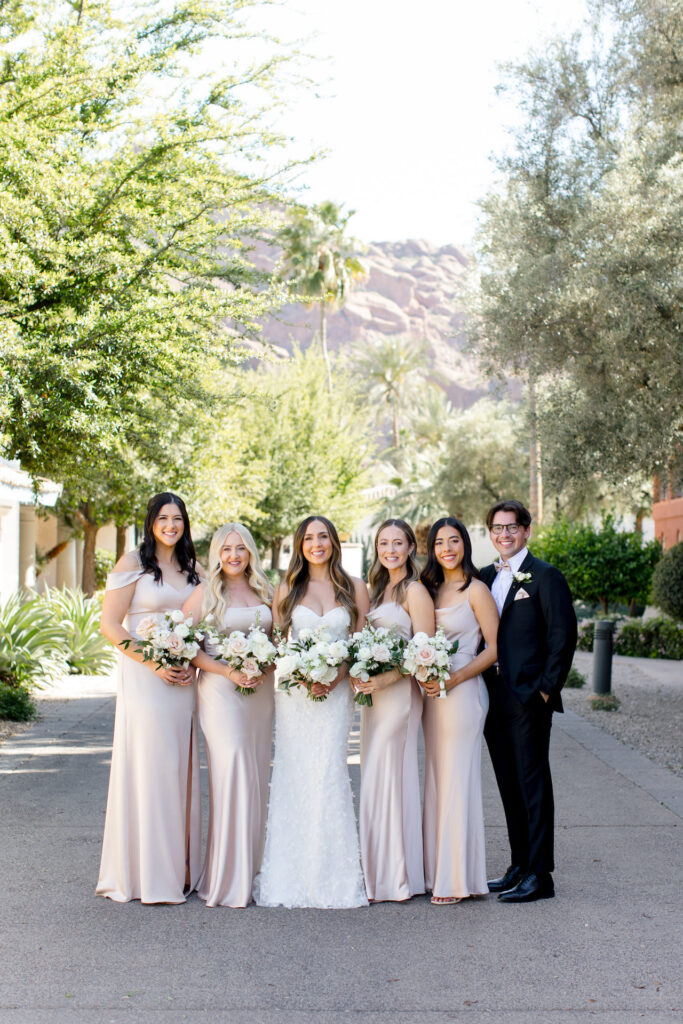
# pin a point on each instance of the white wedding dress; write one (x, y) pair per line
(312, 857)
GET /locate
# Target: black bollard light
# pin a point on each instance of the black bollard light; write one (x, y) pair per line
(602, 656)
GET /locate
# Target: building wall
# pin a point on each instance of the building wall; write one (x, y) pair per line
(9, 549)
(668, 518)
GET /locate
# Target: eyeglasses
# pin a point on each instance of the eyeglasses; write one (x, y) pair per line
(512, 528)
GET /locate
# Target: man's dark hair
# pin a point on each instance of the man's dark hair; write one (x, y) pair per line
(522, 514)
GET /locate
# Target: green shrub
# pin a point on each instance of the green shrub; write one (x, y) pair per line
(87, 652)
(656, 638)
(16, 703)
(604, 702)
(31, 642)
(104, 563)
(575, 680)
(667, 582)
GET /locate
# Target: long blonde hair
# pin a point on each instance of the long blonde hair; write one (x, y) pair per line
(217, 593)
(297, 575)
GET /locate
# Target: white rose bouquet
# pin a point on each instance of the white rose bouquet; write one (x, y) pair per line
(167, 638)
(314, 657)
(250, 653)
(428, 657)
(375, 649)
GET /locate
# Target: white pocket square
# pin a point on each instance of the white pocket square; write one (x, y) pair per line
(520, 595)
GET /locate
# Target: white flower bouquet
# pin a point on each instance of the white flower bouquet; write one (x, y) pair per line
(249, 653)
(428, 657)
(375, 649)
(167, 638)
(314, 657)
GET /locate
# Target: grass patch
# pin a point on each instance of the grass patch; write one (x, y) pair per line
(604, 702)
(575, 680)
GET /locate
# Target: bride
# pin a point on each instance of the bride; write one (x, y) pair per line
(311, 857)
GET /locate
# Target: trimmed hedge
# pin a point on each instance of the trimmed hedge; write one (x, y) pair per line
(656, 638)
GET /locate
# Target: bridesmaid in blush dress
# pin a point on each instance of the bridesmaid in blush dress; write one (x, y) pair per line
(237, 727)
(453, 822)
(151, 844)
(390, 817)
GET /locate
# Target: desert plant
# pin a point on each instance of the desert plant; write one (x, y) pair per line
(575, 680)
(31, 643)
(78, 617)
(604, 702)
(667, 582)
(16, 703)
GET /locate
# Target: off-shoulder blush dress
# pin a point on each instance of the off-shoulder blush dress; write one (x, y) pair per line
(453, 820)
(151, 846)
(237, 731)
(390, 817)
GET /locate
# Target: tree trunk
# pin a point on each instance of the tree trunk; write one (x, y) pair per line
(535, 475)
(90, 541)
(120, 541)
(275, 546)
(323, 342)
(605, 606)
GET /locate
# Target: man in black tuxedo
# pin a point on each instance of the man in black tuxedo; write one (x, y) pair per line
(536, 642)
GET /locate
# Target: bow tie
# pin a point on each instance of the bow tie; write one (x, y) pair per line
(502, 566)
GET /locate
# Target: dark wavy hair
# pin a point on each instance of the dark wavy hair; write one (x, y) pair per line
(432, 574)
(522, 514)
(378, 577)
(297, 577)
(184, 549)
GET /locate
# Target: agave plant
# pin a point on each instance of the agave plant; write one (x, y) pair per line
(31, 642)
(87, 652)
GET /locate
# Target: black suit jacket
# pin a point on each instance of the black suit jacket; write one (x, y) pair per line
(536, 634)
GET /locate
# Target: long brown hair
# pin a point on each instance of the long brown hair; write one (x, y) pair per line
(297, 575)
(378, 577)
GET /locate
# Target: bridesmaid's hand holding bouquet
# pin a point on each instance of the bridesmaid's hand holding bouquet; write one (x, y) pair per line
(429, 658)
(248, 653)
(168, 640)
(373, 651)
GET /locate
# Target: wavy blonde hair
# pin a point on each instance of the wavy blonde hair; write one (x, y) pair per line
(217, 593)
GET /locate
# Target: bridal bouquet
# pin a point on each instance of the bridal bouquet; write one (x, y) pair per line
(427, 657)
(249, 653)
(167, 638)
(314, 657)
(374, 650)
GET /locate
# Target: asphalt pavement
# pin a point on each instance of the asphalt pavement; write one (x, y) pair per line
(607, 948)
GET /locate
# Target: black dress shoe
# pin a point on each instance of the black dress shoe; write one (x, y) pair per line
(531, 887)
(512, 876)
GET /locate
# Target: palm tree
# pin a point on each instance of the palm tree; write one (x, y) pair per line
(394, 371)
(319, 262)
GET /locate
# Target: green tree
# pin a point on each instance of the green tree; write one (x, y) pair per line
(320, 261)
(125, 269)
(393, 374)
(294, 449)
(478, 456)
(667, 582)
(602, 564)
(580, 250)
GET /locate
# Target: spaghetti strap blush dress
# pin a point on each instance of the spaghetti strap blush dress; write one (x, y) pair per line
(237, 731)
(390, 817)
(151, 845)
(453, 821)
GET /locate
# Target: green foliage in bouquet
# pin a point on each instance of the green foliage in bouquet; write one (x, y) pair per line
(667, 582)
(31, 642)
(87, 652)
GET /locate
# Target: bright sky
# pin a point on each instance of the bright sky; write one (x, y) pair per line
(407, 107)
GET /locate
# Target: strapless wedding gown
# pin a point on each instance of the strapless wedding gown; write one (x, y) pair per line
(311, 857)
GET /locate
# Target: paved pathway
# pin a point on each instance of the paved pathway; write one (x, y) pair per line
(606, 949)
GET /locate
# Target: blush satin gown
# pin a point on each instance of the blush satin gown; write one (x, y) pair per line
(237, 732)
(390, 818)
(453, 820)
(151, 843)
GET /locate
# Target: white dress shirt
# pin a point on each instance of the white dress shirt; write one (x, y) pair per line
(503, 581)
